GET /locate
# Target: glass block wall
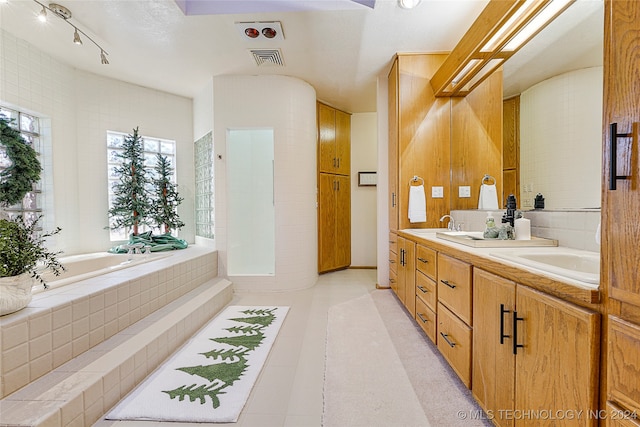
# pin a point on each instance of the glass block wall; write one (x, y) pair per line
(203, 152)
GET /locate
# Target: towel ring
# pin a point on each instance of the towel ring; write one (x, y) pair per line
(487, 177)
(416, 178)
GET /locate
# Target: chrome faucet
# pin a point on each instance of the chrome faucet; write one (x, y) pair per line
(452, 223)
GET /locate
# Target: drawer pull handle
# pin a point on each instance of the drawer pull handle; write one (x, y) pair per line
(392, 261)
(502, 334)
(424, 320)
(446, 282)
(392, 280)
(423, 289)
(516, 346)
(423, 260)
(446, 338)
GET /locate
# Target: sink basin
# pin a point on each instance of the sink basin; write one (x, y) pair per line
(578, 266)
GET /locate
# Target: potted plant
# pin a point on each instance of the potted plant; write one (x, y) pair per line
(23, 254)
(23, 258)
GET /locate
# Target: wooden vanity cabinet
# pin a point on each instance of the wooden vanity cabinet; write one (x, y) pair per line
(426, 291)
(532, 351)
(334, 136)
(624, 364)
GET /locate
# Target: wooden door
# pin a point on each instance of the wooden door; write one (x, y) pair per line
(343, 221)
(621, 210)
(393, 146)
(327, 214)
(557, 361)
(343, 142)
(493, 372)
(409, 269)
(326, 138)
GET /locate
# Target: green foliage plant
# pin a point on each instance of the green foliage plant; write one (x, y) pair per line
(18, 178)
(23, 250)
(166, 198)
(132, 203)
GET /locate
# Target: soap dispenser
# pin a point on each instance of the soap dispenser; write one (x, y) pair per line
(490, 229)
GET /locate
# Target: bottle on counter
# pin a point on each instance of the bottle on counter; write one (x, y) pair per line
(490, 229)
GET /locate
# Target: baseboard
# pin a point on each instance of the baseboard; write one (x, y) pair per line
(363, 267)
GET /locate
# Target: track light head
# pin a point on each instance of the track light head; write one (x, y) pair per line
(42, 16)
(76, 38)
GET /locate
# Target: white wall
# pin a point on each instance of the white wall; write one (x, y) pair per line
(287, 105)
(561, 140)
(383, 181)
(80, 108)
(364, 158)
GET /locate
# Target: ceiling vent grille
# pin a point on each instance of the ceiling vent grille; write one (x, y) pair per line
(267, 57)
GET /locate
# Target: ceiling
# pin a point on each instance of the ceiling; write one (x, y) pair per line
(340, 47)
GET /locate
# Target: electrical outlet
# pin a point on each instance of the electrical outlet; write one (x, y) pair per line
(464, 191)
(437, 192)
(526, 203)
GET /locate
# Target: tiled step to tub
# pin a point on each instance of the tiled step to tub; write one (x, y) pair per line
(79, 392)
(63, 322)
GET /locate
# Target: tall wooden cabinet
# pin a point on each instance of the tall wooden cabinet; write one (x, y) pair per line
(532, 351)
(418, 138)
(334, 188)
(621, 206)
(511, 147)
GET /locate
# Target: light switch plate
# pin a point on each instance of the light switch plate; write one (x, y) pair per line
(437, 192)
(464, 191)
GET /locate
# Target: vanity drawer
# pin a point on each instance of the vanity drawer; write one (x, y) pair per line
(393, 281)
(455, 286)
(454, 342)
(426, 261)
(618, 417)
(393, 242)
(426, 290)
(426, 318)
(393, 261)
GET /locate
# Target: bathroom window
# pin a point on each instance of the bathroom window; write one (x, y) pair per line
(152, 147)
(31, 206)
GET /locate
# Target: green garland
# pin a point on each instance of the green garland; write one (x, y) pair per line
(18, 179)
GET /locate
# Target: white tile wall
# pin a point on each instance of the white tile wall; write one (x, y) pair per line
(79, 108)
(572, 228)
(288, 106)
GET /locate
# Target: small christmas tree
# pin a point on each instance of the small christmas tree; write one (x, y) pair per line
(132, 203)
(166, 201)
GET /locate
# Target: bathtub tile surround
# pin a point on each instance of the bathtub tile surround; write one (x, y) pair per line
(63, 323)
(572, 228)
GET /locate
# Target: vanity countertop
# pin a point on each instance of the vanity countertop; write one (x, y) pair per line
(582, 293)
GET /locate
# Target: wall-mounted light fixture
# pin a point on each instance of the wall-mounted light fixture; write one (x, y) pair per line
(501, 29)
(65, 14)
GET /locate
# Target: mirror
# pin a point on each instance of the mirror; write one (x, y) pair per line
(561, 109)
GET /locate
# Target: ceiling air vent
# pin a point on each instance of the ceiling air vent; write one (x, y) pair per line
(266, 57)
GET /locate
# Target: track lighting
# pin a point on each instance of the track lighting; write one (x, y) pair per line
(76, 37)
(65, 14)
(103, 58)
(42, 16)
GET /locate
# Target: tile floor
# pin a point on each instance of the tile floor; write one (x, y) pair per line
(289, 391)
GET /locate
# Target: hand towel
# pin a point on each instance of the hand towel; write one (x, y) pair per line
(488, 197)
(417, 204)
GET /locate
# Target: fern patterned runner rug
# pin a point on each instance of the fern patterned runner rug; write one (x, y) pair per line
(210, 378)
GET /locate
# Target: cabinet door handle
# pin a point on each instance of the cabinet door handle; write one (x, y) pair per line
(423, 289)
(423, 260)
(334, 162)
(516, 346)
(613, 152)
(338, 162)
(446, 282)
(446, 338)
(502, 334)
(424, 320)
(393, 200)
(402, 257)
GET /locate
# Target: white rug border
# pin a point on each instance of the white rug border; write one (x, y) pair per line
(138, 405)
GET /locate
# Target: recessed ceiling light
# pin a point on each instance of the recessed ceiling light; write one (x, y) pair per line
(408, 4)
(252, 32)
(269, 32)
(260, 30)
